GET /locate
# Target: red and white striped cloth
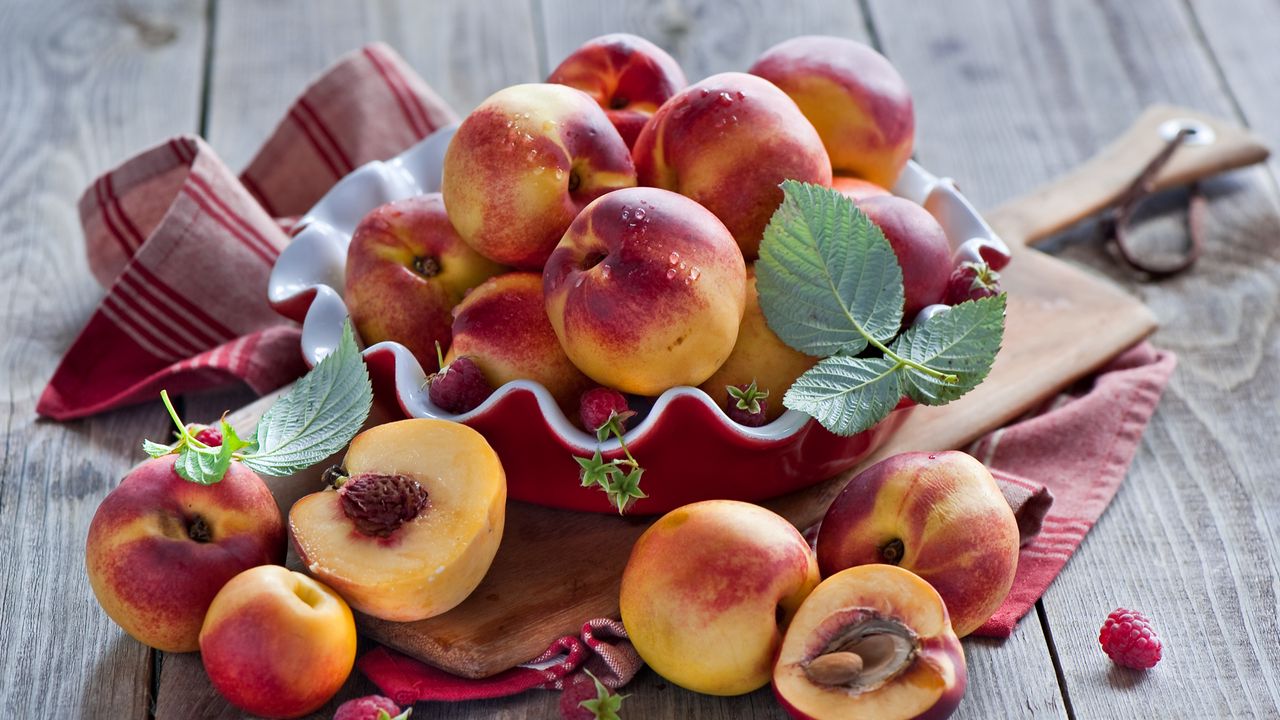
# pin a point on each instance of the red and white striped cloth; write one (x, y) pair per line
(185, 248)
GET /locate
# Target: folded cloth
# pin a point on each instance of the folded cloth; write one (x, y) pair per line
(1078, 446)
(185, 248)
(602, 648)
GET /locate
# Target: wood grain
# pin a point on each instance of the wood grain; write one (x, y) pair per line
(704, 36)
(266, 53)
(72, 75)
(1242, 45)
(1188, 538)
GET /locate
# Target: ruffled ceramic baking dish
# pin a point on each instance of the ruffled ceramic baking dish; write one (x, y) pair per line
(689, 448)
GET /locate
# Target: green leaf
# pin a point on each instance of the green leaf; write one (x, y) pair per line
(325, 409)
(155, 449)
(605, 705)
(827, 278)
(962, 341)
(205, 466)
(845, 394)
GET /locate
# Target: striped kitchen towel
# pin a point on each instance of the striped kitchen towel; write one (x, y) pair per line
(184, 247)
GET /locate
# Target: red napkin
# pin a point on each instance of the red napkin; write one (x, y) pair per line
(603, 649)
(1078, 446)
(185, 249)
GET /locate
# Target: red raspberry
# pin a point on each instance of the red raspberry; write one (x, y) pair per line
(972, 281)
(210, 436)
(459, 387)
(599, 404)
(370, 707)
(747, 405)
(577, 688)
(1129, 640)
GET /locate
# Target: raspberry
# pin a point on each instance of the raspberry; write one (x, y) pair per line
(577, 688)
(747, 405)
(370, 707)
(972, 281)
(380, 504)
(210, 436)
(586, 698)
(459, 387)
(1129, 640)
(599, 404)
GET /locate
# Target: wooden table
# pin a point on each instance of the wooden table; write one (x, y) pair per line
(1008, 94)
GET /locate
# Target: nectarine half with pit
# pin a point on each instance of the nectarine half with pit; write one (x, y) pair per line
(871, 643)
(413, 524)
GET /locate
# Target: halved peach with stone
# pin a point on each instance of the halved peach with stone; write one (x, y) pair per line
(414, 521)
(873, 642)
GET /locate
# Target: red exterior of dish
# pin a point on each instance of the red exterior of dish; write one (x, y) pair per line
(692, 453)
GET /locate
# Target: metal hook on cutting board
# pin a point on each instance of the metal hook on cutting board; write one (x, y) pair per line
(1166, 147)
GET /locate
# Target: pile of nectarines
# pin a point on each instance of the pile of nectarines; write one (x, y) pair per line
(621, 212)
(597, 234)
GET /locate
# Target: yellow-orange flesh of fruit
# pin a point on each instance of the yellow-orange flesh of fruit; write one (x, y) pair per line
(429, 564)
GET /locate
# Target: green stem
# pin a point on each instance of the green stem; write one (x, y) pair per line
(168, 405)
(944, 377)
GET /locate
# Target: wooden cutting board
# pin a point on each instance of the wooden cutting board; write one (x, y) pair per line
(557, 569)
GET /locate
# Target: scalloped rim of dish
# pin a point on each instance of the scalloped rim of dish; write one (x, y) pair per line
(314, 263)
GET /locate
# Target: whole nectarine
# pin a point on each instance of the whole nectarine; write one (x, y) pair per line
(940, 515)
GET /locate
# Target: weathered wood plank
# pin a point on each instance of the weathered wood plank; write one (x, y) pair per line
(266, 53)
(1009, 94)
(1243, 43)
(704, 36)
(73, 76)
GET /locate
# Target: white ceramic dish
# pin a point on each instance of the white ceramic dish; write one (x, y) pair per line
(306, 285)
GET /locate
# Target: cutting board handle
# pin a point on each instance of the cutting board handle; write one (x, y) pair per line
(1215, 146)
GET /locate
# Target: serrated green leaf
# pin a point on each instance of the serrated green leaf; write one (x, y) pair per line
(155, 449)
(230, 439)
(962, 341)
(204, 466)
(827, 278)
(846, 394)
(325, 409)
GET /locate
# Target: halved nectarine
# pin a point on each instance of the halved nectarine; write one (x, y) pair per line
(871, 643)
(413, 524)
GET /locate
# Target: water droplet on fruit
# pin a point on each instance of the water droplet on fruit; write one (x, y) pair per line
(605, 271)
(674, 257)
(683, 265)
(742, 95)
(626, 213)
(671, 274)
(705, 92)
(639, 213)
(694, 274)
(725, 99)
